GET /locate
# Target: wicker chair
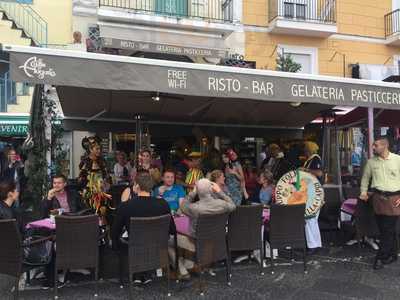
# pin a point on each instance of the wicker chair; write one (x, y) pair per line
(287, 230)
(244, 230)
(148, 246)
(77, 245)
(211, 243)
(11, 252)
(351, 192)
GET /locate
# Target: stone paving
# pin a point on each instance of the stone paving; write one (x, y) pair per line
(335, 273)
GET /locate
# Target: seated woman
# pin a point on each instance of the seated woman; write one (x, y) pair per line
(264, 192)
(218, 177)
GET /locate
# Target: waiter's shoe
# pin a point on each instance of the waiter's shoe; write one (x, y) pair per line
(378, 264)
(389, 260)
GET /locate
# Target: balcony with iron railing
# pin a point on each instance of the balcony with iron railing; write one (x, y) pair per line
(392, 27)
(207, 10)
(302, 17)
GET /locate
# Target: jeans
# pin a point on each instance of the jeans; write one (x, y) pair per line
(388, 240)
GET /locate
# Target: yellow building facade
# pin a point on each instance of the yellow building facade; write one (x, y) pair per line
(39, 23)
(355, 31)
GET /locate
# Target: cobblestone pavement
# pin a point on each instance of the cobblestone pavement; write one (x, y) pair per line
(335, 273)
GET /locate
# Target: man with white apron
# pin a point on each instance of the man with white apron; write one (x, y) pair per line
(313, 165)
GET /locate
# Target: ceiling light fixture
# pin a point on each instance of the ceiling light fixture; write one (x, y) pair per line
(156, 97)
(295, 104)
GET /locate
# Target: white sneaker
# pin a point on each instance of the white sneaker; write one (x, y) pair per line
(211, 272)
(240, 259)
(351, 242)
(372, 243)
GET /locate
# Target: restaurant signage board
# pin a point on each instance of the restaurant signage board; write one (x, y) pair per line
(139, 74)
(7, 130)
(162, 48)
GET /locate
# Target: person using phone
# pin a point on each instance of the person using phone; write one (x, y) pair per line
(234, 177)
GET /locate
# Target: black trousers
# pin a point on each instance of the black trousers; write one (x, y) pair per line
(388, 241)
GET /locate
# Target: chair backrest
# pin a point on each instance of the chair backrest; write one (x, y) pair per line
(148, 243)
(287, 226)
(211, 238)
(10, 249)
(244, 228)
(116, 193)
(330, 212)
(77, 242)
(351, 192)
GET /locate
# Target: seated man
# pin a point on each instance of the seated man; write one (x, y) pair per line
(8, 196)
(143, 205)
(33, 254)
(207, 198)
(61, 199)
(171, 192)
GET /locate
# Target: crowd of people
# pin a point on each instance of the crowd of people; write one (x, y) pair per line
(204, 191)
(190, 189)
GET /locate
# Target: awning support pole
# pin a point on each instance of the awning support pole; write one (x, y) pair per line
(138, 136)
(370, 131)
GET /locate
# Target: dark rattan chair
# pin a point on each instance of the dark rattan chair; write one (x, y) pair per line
(211, 243)
(244, 230)
(148, 246)
(11, 252)
(351, 192)
(329, 217)
(286, 229)
(77, 242)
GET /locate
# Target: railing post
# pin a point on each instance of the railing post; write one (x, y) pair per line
(237, 7)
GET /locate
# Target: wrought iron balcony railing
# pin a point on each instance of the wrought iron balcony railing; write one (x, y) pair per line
(211, 10)
(392, 23)
(317, 11)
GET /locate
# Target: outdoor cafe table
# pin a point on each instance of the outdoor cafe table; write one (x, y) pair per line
(348, 208)
(182, 222)
(43, 223)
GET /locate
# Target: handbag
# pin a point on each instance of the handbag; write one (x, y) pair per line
(40, 253)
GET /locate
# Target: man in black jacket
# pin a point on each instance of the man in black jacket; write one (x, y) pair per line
(61, 199)
(141, 206)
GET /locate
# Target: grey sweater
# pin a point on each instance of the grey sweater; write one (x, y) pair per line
(208, 204)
